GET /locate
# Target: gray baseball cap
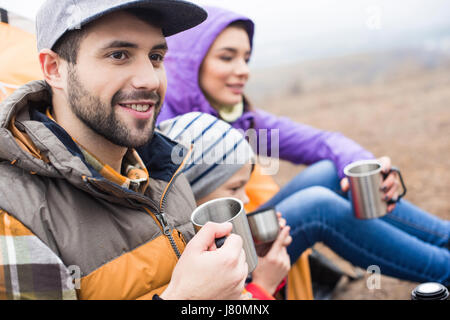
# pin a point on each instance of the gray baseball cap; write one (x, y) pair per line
(56, 17)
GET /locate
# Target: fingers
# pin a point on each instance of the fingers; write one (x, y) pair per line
(281, 239)
(288, 239)
(233, 258)
(243, 276)
(282, 223)
(385, 163)
(345, 185)
(391, 207)
(391, 186)
(241, 272)
(233, 247)
(243, 264)
(286, 259)
(204, 239)
(391, 183)
(392, 192)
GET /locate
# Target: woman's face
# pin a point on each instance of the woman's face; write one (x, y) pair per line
(224, 71)
(233, 187)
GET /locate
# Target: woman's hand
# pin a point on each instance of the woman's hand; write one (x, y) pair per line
(390, 186)
(275, 265)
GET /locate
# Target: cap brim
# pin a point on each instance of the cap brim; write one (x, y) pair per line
(176, 15)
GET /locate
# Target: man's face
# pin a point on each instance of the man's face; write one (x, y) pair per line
(117, 86)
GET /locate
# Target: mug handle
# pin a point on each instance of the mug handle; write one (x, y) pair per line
(220, 241)
(401, 180)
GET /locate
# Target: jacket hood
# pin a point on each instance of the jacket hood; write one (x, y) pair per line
(26, 143)
(184, 58)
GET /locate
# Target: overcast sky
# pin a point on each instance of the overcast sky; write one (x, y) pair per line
(300, 29)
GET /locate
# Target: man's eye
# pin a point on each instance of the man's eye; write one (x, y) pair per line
(156, 57)
(118, 55)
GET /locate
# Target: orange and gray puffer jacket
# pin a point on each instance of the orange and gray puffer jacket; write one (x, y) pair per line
(69, 232)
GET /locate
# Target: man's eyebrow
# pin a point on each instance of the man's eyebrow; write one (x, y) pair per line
(126, 44)
(119, 44)
(161, 46)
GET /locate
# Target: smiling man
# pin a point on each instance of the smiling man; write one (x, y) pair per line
(82, 215)
(112, 91)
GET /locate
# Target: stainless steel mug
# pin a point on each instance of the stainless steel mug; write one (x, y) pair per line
(265, 229)
(228, 210)
(365, 179)
(430, 291)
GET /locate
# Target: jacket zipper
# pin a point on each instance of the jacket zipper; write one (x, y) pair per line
(167, 232)
(162, 217)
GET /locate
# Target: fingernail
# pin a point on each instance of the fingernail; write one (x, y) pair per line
(386, 198)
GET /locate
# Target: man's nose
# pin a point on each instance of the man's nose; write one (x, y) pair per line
(146, 76)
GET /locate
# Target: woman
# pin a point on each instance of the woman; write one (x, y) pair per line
(220, 166)
(207, 71)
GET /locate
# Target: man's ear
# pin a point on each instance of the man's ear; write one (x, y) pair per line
(52, 66)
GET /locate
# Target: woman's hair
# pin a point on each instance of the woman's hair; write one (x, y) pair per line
(239, 24)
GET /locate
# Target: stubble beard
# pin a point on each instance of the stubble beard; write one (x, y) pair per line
(102, 119)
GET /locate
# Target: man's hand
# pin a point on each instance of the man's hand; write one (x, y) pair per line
(390, 186)
(275, 265)
(206, 273)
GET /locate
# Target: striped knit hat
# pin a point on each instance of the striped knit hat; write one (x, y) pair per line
(219, 150)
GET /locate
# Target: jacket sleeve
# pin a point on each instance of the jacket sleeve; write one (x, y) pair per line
(303, 144)
(257, 292)
(28, 268)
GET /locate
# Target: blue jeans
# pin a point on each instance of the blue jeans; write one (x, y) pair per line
(407, 243)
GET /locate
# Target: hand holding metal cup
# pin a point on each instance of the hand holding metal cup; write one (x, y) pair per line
(366, 178)
(227, 210)
(265, 229)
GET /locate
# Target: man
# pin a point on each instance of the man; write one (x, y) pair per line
(75, 197)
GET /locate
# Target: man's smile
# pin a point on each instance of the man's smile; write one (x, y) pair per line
(139, 110)
(138, 106)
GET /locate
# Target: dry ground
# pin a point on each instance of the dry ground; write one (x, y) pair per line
(405, 115)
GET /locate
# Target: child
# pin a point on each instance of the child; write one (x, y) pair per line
(220, 166)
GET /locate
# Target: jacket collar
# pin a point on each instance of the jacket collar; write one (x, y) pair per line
(65, 159)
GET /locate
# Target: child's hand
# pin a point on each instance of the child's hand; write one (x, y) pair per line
(275, 265)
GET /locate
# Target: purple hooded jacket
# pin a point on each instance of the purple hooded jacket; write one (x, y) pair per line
(299, 143)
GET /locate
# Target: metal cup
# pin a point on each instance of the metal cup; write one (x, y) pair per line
(265, 229)
(228, 210)
(366, 178)
(430, 291)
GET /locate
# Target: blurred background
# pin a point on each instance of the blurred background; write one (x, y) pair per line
(376, 70)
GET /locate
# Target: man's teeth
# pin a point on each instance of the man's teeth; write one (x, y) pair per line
(138, 107)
